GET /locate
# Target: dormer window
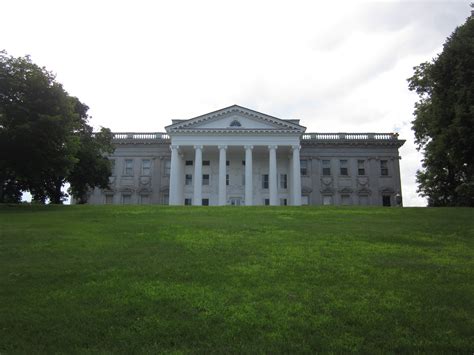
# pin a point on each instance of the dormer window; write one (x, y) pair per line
(235, 123)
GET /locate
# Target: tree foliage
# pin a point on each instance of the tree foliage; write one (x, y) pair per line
(43, 134)
(444, 121)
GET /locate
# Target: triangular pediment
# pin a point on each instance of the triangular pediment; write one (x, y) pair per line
(235, 118)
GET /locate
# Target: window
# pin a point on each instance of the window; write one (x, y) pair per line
(363, 200)
(165, 199)
(146, 167)
(227, 179)
(343, 167)
(128, 167)
(384, 167)
(243, 162)
(126, 199)
(112, 166)
(188, 180)
(235, 123)
(345, 200)
(326, 167)
(304, 167)
(167, 168)
(283, 181)
(205, 202)
(327, 200)
(386, 201)
(144, 199)
(205, 179)
(227, 163)
(189, 162)
(188, 202)
(109, 199)
(361, 167)
(206, 162)
(265, 181)
(266, 202)
(283, 202)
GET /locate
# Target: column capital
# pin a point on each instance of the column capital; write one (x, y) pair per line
(296, 147)
(246, 147)
(274, 147)
(174, 146)
(222, 147)
(198, 147)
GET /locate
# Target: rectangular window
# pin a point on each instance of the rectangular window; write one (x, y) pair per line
(265, 181)
(327, 200)
(283, 202)
(361, 167)
(386, 201)
(165, 199)
(243, 162)
(304, 167)
(189, 162)
(205, 179)
(188, 180)
(345, 200)
(283, 181)
(126, 199)
(206, 162)
(112, 166)
(384, 167)
(144, 199)
(128, 167)
(188, 202)
(167, 169)
(109, 199)
(205, 202)
(227, 179)
(363, 200)
(227, 163)
(344, 171)
(146, 167)
(326, 167)
(266, 202)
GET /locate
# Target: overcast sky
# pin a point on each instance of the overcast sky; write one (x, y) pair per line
(335, 65)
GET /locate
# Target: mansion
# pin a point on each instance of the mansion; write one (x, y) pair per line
(237, 156)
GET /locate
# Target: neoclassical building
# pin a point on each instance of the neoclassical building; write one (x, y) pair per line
(238, 156)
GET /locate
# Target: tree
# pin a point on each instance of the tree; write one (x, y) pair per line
(42, 131)
(444, 121)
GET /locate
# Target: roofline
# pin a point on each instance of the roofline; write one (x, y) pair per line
(241, 107)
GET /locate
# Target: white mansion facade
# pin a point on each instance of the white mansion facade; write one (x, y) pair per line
(237, 156)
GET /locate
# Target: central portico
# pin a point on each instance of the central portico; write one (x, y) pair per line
(235, 156)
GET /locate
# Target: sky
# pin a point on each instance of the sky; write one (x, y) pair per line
(338, 66)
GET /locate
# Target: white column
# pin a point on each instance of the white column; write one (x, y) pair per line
(248, 176)
(174, 176)
(296, 176)
(272, 175)
(197, 198)
(222, 175)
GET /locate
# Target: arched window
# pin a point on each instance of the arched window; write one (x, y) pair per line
(235, 123)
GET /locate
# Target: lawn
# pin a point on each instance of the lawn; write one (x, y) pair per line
(235, 280)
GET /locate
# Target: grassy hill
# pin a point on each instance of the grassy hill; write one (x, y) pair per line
(258, 279)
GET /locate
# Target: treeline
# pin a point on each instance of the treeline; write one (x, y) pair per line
(45, 138)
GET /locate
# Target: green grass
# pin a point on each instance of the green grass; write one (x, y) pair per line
(235, 280)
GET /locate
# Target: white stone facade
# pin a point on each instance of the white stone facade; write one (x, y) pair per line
(237, 156)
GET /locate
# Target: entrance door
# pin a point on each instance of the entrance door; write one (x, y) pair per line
(235, 201)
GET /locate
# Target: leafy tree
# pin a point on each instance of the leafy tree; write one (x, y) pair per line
(444, 121)
(42, 131)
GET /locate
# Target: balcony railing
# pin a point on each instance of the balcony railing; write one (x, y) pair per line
(325, 137)
(135, 136)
